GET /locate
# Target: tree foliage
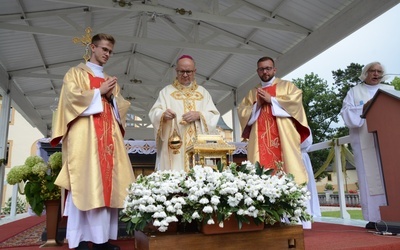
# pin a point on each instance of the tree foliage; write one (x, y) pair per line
(396, 83)
(343, 81)
(321, 104)
(347, 78)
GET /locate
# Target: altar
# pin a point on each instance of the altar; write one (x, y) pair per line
(272, 237)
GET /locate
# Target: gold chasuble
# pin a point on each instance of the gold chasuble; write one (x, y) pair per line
(181, 99)
(96, 166)
(264, 145)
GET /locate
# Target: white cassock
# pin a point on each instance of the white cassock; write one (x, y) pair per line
(313, 207)
(366, 155)
(96, 225)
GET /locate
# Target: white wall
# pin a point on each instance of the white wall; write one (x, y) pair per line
(22, 137)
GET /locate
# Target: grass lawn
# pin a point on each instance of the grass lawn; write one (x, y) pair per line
(354, 214)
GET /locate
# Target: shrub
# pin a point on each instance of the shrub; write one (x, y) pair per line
(21, 206)
(329, 186)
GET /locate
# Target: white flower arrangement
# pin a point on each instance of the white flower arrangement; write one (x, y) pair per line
(205, 195)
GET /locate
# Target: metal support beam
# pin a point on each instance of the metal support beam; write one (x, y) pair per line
(342, 199)
(4, 120)
(237, 133)
(14, 198)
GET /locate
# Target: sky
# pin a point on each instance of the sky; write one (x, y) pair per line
(378, 40)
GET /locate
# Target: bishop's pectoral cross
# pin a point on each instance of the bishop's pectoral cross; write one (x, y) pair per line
(85, 40)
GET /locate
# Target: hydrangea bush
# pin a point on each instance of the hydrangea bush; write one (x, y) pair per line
(205, 195)
(38, 178)
(157, 198)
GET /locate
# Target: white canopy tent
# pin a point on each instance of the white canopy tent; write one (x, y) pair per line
(226, 38)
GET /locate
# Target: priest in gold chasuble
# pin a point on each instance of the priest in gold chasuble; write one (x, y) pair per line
(96, 171)
(272, 117)
(182, 110)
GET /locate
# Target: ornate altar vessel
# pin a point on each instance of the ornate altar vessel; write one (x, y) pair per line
(175, 141)
(209, 150)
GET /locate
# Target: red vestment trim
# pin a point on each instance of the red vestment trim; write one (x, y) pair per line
(103, 126)
(268, 135)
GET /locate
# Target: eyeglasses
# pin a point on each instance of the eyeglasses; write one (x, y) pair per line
(265, 69)
(182, 72)
(375, 71)
(105, 50)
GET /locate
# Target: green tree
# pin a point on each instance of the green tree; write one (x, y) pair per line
(322, 107)
(347, 78)
(343, 81)
(396, 83)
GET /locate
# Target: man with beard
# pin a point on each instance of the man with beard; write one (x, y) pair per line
(272, 117)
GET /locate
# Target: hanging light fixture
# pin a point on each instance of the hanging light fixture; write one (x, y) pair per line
(182, 11)
(128, 3)
(123, 3)
(135, 80)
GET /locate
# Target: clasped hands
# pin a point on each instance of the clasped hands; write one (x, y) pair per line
(188, 117)
(263, 97)
(107, 87)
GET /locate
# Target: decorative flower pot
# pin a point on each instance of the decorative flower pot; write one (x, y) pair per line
(231, 225)
(52, 219)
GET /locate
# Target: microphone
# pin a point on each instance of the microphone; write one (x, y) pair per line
(382, 76)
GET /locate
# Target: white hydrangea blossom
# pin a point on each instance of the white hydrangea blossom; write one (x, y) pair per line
(202, 193)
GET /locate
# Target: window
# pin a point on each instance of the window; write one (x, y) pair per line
(12, 114)
(8, 154)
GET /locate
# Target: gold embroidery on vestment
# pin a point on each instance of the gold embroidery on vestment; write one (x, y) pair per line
(188, 95)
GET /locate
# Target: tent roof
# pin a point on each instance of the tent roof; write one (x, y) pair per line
(226, 38)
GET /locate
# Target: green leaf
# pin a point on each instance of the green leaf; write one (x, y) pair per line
(135, 220)
(129, 228)
(220, 217)
(50, 186)
(220, 166)
(268, 171)
(242, 168)
(125, 219)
